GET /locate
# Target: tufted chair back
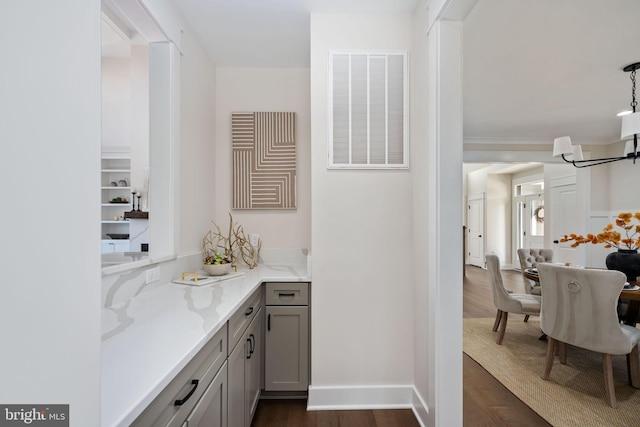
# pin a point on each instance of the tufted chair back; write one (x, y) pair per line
(529, 258)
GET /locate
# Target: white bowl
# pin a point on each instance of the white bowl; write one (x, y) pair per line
(217, 269)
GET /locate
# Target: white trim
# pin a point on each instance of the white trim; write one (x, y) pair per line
(562, 180)
(445, 180)
(419, 408)
(507, 156)
(324, 398)
(538, 177)
(531, 141)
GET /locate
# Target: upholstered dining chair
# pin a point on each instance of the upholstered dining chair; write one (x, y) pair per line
(579, 308)
(507, 302)
(529, 258)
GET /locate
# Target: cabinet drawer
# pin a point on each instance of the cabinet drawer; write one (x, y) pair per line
(211, 410)
(163, 411)
(287, 293)
(243, 317)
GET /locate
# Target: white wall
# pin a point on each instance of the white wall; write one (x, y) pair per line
(198, 154)
(362, 293)
(139, 120)
(477, 181)
(498, 217)
(621, 179)
(265, 89)
(50, 108)
(116, 102)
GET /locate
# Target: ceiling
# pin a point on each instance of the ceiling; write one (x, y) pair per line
(536, 70)
(269, 33)
(533, 70)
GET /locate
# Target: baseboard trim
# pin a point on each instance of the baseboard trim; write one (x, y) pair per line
(419, 408)
(360, 397)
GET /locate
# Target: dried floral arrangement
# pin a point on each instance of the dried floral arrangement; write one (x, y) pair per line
(218, 248)
(611, 238)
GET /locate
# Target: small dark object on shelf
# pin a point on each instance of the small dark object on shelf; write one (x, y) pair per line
(118, 236)
(136, 215)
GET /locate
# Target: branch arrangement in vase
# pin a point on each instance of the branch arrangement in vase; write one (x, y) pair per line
(219, 248)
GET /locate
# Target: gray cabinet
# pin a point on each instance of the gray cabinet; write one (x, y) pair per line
(253, 367)
(286, 365)
(175, 403)
(245, 364)
(211, 409)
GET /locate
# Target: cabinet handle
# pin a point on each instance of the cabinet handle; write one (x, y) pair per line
(249, 349)
(286, 294)
(181, 402)
(252, 342)
(249, 311)
(269, 322)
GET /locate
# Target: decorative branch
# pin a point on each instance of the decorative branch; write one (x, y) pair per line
(249, 253)
(235, 245)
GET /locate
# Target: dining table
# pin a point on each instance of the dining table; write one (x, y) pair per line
(632, 295)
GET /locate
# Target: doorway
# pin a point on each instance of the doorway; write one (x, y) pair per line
(563, 204)
(475, 232)
(529, 216)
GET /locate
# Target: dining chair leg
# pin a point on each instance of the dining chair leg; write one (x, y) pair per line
(607, 368)
(497, 322)
(551, 354)
(562, 352)
(633, 367)
(526, 318)
(503, 327)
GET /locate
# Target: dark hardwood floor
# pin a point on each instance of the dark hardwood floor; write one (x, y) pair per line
(293, 413)
(486, 402)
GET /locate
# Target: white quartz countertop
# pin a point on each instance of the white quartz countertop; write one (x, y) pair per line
(147, 340)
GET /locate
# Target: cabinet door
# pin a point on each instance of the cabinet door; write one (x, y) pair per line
(211, 410)
(286, 348)
(236, 384)
(253, 368)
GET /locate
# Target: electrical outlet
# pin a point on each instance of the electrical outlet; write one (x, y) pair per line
(254, 238)
(153, 275)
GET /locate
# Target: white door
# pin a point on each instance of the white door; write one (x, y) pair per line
(562, 218)
(475, 235)
(531, 222)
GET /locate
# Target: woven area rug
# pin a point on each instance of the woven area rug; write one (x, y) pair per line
(574, 395)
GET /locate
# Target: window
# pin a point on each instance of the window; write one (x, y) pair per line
(368, 110)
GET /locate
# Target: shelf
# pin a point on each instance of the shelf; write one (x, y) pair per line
(137, 215)
(115, 170)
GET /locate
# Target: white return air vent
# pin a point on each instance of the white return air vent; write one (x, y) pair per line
(368, 110)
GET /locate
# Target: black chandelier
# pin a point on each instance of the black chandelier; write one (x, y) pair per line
(630, 128)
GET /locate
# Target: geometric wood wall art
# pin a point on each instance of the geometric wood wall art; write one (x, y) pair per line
(264, 160)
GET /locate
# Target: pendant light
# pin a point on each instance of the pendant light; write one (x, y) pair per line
(629, 132)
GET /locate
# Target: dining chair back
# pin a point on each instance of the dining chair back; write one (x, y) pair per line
(579, 308)
(529, 258)
(507, 302)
